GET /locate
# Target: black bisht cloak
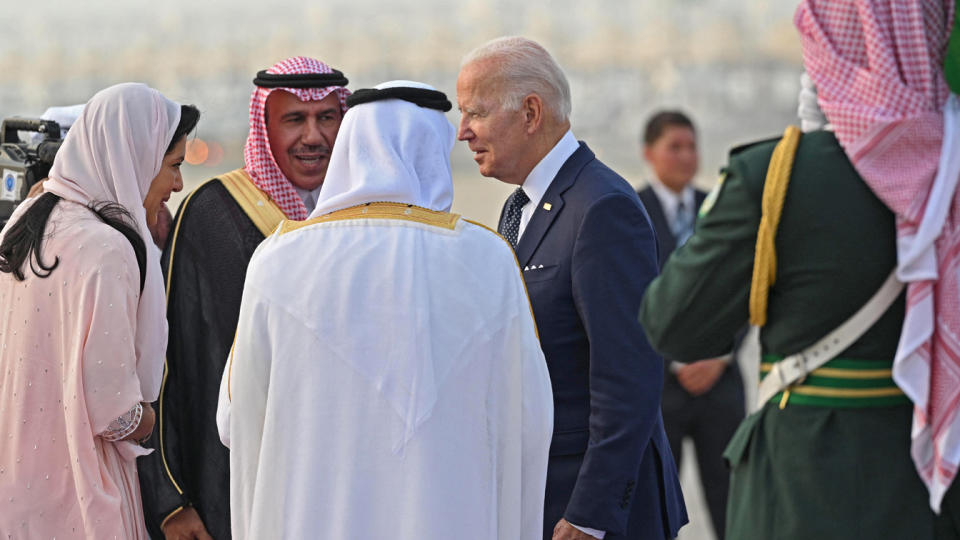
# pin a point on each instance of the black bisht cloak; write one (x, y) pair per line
(204, 263)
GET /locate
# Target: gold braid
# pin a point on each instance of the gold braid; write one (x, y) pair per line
(774, 193)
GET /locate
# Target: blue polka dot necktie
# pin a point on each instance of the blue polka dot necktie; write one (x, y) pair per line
(510, 221)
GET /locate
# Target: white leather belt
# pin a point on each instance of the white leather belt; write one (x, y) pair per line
(796, 366)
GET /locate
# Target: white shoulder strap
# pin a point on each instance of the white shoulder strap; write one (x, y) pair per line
(796, 366)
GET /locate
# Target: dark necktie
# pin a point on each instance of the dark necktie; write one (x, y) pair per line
(510, 222)
(682, 224)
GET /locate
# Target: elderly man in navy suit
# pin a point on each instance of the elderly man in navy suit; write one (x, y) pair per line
(588, 252)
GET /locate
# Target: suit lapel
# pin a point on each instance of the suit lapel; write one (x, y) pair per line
(542, 218)
(660, 226)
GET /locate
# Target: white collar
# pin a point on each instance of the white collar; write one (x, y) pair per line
(670, 199)
(309, 197)
(538, 181)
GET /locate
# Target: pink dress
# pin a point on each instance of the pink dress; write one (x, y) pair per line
(67, 371)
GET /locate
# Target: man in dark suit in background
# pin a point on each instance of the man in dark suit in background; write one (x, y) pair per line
(702, 400)
(588, 252)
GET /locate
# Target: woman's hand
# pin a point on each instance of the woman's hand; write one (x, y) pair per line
(147, 420)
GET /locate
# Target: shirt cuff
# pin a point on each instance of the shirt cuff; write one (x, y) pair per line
(592, 532)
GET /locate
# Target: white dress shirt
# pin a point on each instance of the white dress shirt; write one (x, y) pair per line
(536, 183)
(309, 197)
(670, 201)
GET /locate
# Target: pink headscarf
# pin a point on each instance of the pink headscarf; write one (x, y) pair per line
(258, 159)
(112, 153)
(877, 66)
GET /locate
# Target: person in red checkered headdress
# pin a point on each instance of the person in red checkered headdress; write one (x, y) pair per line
(853, 217)
(295, 113)
(292, 129)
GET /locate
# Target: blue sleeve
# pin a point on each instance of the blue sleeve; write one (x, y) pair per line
(614, 260)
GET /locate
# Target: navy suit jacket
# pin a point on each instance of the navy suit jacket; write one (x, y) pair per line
(588, 253)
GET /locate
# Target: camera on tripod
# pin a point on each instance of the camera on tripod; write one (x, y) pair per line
(24, 163)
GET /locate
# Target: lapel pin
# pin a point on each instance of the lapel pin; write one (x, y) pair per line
(547, 206)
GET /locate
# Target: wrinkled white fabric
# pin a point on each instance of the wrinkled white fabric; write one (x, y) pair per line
(916, 253)
(390, 384)
(317, 373)
(112, 154)
(808, 110)
(408, 163)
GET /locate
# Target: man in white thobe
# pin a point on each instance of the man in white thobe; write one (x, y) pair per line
(387, 380)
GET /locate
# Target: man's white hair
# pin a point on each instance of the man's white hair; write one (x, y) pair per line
(526, 68)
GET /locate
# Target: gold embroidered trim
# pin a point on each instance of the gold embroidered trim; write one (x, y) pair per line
(230, 368)
(380, 210)
(774, 193)
(258, 206)
(170, 515)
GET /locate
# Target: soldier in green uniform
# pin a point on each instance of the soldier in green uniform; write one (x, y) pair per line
(829, 456)
(812, 468)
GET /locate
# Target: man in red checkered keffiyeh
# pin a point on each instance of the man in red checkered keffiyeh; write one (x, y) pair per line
(878, 69)
(275, 160)
(295, 114)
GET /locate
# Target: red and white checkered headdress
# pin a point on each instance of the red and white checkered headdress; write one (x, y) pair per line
(257, 157)
(878, 69)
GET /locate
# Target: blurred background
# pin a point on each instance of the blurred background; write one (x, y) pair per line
(733, 65)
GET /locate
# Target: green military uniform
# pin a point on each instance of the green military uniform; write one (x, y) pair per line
(834, 461)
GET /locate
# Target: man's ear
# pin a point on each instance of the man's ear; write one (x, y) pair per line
(533, 111)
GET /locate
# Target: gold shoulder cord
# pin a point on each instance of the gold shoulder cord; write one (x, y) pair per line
(765, 254)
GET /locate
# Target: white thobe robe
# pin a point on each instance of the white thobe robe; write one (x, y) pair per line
(386, 382)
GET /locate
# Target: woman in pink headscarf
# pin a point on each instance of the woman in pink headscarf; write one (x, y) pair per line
(83, 331)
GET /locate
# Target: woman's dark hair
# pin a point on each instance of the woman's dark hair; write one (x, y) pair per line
(24, 239)
(120, 219)
(23, 242)
(660, 121)
(189, 116)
